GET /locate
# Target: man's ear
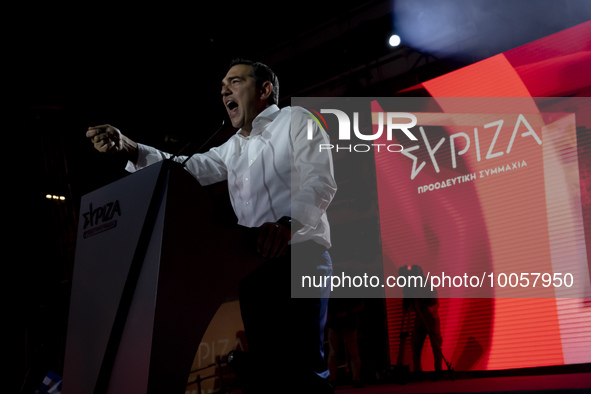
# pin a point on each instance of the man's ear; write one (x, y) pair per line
(266, 90)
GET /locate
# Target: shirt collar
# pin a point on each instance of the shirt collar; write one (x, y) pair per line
(262, 119)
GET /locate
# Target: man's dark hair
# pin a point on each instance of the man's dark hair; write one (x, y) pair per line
(261, 74)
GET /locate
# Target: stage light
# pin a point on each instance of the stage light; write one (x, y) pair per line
(394, 40)
(54, 197)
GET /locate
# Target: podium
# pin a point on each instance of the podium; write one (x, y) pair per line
(153, 264)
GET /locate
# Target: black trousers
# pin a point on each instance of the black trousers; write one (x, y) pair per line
(428, 324)
(285, 334)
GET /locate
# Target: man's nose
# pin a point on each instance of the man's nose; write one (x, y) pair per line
(226, 90)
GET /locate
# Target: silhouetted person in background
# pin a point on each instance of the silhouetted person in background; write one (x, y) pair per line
(343, 325)
(425, 304)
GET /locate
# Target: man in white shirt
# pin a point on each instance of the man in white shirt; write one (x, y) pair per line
(280, 182)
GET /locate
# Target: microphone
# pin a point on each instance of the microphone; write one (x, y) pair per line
(189, 147)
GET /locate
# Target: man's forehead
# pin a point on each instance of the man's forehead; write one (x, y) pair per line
(239, 70)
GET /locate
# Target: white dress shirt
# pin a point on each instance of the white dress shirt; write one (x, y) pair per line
(274, 172)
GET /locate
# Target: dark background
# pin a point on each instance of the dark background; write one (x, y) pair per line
(155, 71)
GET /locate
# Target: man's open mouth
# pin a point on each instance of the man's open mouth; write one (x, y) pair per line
(231, 105)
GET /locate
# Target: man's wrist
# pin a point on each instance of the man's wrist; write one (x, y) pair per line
(293, 225)
(130, 148)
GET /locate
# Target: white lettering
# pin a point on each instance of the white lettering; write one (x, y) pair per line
(368, 137)
(415, 171)
(344, 124)
(431, 151)
(453, 147)
(404, 126)
(521, 119)
(489, 154)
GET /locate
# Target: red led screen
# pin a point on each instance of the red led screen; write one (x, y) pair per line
(530, 218)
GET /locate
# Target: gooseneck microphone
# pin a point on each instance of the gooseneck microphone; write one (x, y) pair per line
(190, 147)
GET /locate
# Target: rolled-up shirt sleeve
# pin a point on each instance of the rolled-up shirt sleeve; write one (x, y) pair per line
(313, 183)
(207, 167)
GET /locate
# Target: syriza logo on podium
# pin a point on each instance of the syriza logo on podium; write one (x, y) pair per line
(100, 219)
